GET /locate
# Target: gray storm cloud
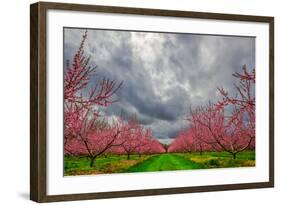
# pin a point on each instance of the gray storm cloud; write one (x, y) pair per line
(163, 73)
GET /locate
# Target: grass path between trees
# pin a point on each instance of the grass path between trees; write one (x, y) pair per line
(164, 162)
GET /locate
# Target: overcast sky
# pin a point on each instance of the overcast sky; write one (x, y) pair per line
(164, 74)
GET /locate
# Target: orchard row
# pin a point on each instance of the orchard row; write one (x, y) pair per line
(86, 131)
(227, 125)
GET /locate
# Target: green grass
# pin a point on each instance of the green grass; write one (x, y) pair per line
(249, 155)
(164, 162)
(109, 164)
(160, 162)
(222, 159)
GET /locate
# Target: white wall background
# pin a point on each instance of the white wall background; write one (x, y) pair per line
(14, 101)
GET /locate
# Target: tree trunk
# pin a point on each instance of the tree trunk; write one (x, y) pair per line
(139, 155)
(201, 152)
(234, 155)
(128, 156)
(92, 162)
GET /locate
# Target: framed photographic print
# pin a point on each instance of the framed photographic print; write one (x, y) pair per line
(134, 102)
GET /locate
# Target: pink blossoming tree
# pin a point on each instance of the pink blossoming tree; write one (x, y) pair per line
(81, 106)
(228, 125)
